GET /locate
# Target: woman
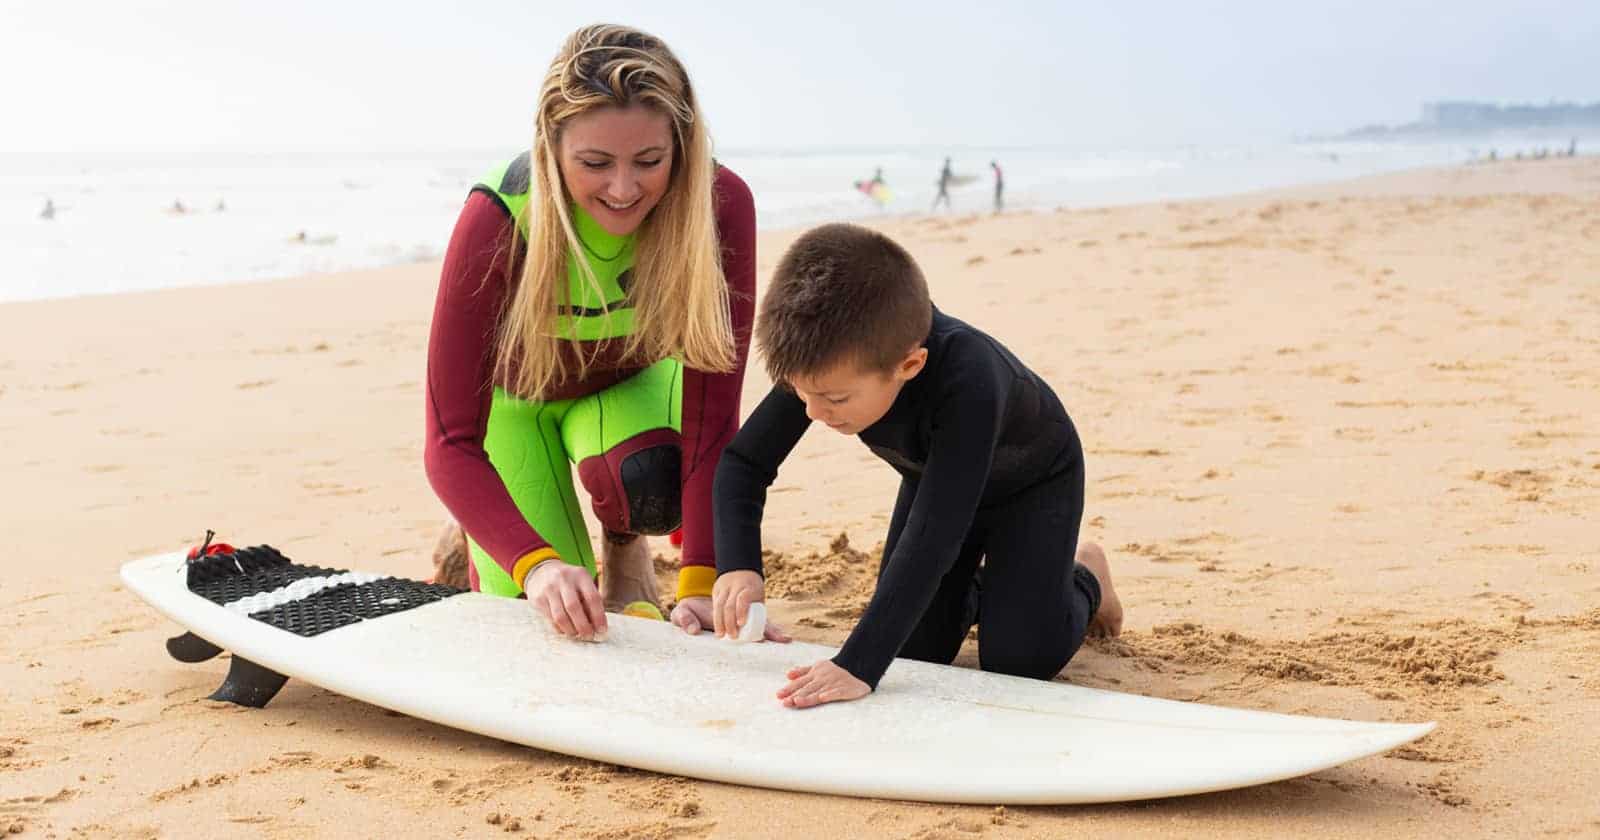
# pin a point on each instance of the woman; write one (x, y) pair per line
(594, 308)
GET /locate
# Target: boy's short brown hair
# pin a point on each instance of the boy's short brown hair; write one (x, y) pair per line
(842, 293)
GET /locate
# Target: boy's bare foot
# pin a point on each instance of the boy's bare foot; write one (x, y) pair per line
(1107, 621)
(626, 573)
(450, 558)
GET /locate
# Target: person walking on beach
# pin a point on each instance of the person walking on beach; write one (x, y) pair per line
(594, 309)
(944, 187)
(999, 187)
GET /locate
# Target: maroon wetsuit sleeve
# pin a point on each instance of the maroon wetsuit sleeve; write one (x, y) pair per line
(460, 363)
(711, 400)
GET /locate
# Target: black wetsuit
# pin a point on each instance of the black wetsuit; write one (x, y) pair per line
(990, 469)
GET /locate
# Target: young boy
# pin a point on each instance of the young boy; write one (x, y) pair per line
(990, 469)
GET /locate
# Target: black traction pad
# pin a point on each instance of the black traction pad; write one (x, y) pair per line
(224, 578)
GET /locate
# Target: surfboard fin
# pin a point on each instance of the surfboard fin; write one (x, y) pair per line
(246, 684)
(191, 648)
(249, 684)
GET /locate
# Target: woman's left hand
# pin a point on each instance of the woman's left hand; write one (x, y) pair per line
(824, 682)
(693, 615)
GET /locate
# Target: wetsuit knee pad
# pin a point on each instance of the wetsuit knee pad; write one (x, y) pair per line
(636, 486)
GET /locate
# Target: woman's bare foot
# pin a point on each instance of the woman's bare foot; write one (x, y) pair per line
(627, 573)
(450, 558)
(1107, 621)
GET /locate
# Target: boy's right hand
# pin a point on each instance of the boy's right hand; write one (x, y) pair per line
(567, 597)
(731, 598)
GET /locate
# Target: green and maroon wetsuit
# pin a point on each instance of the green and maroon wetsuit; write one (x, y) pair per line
(645, 434)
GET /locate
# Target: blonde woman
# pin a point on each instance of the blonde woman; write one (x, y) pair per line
(594, 310)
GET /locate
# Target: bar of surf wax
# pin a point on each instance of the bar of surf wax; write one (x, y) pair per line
(755, 623)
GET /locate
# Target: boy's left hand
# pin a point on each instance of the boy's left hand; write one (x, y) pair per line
(824, 682)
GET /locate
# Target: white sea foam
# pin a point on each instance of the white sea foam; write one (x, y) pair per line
(114, 229)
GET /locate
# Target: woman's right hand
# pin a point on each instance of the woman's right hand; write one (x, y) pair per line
(567, 597)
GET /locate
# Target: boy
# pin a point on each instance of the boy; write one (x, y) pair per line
(990, 468)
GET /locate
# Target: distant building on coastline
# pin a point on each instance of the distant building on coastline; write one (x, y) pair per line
(1461, 117)
(1481, 116)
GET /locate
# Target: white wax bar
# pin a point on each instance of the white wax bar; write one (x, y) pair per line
(755, 624)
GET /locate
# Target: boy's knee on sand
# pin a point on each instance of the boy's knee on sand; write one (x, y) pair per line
(1033, 667)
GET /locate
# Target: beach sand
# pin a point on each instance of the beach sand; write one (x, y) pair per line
(1341, 451)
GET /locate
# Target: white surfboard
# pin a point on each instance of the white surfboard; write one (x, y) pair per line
(652, 698)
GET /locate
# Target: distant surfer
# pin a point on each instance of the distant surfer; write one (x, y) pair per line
(986, 524)
(944, 187)
(875, 188)
(49, 211)
(608, 274)
(999, 186)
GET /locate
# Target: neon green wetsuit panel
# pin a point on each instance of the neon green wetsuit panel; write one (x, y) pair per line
(523, 441)
(532, 445)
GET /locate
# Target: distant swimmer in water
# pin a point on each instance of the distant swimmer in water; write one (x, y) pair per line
(302, 238)
(49, 211)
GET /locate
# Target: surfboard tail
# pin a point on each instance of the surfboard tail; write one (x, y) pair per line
(260, 583)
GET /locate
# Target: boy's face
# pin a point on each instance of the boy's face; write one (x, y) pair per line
(849, 399)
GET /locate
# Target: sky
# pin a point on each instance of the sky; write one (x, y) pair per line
(354, 74)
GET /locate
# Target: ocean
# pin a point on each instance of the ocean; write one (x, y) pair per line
(116, 224)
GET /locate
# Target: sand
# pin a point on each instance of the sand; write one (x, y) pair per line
(1342, 455)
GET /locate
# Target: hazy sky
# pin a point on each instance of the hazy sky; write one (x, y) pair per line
(357, 74)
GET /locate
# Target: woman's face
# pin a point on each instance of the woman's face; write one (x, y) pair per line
(616, 163)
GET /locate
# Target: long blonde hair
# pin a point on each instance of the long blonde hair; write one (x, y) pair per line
(679, 293)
